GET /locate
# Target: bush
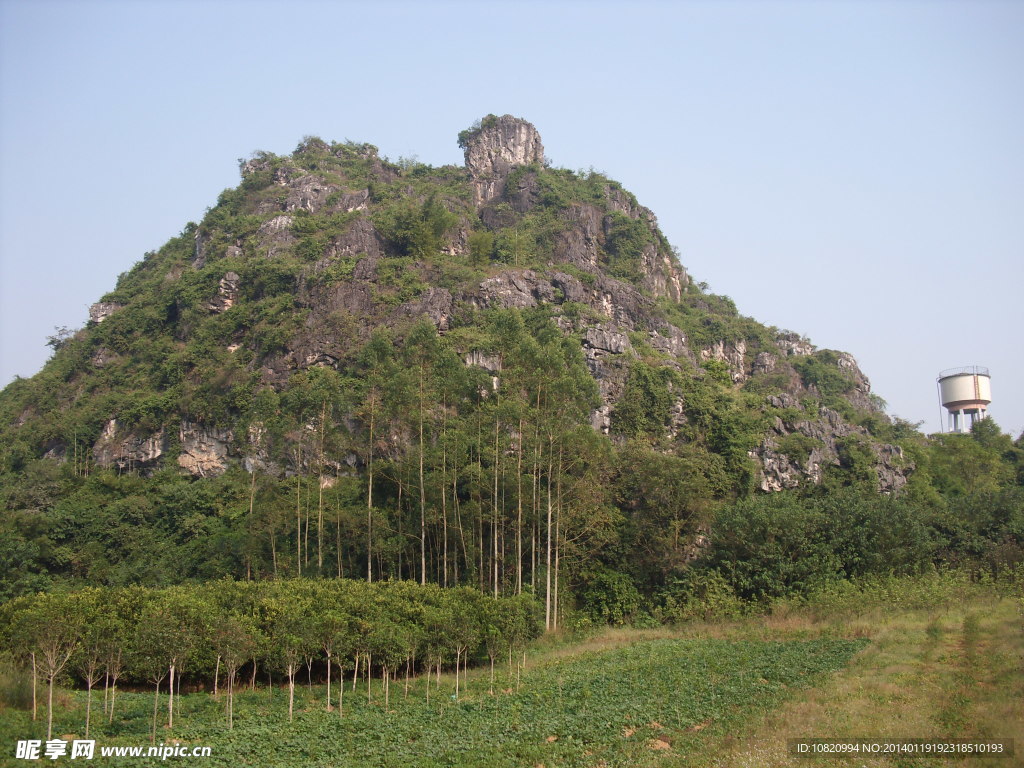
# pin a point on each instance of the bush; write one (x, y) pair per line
(697, 595)
(609, 597)
(15, 686)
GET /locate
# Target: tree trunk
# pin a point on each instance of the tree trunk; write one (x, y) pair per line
(328, 682)
(170, 702)
(113, 694)
(49, 710)
(320, 499)
(369, 688)
(547, 561)
(156, 700)
(369, 501)
(423, 498)
(292, 669)
(88, 706)
(35, 678)
(341, 691)
(519, 510)
(298, 514)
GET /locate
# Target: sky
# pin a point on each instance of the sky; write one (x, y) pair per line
(852, 171)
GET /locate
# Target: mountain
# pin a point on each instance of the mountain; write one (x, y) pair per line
(416, 345)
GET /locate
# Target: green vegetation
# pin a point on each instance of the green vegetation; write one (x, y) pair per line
(865, 658)
(386, 394)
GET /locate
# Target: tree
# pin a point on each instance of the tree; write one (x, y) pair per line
(234, 641)
(290, 632)
(52, 627)
(97, 626)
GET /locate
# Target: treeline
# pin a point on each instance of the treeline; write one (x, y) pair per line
(213, 634)
(413, 465)
(481, 469)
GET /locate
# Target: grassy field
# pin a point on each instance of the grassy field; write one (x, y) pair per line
(924, 660)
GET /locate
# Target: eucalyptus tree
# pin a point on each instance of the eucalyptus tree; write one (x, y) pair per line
(190, 616)
(376, 360)
(332, 627)
(421, 352)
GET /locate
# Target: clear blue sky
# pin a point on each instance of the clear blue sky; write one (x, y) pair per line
(853, 171)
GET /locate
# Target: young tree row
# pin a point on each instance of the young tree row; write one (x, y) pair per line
(209, 633)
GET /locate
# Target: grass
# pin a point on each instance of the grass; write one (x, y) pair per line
(708, 695)
(955, 671)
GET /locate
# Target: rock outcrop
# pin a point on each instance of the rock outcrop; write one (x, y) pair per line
(204, 450)
(495, 148)
(101, 310)
(128, 451)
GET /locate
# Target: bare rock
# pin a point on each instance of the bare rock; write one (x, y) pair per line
(498, 146)
(127, 451)
(101, 310)
(102, 357)
(276, 235)
(308, 193)
(360, 239)
(580, 242)
(606, 340)
(204, 449)
(732, 354)
(434, 303)
(764, 363)
(352, 201)
(794, 345)
(669, 340)
(227, 293)
(490, 363)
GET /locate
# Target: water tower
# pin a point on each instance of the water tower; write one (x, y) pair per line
(965, 393)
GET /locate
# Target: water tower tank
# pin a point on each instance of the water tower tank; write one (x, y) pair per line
(965, 393)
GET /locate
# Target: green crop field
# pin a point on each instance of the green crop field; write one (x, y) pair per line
(937, 658)
(613, 707)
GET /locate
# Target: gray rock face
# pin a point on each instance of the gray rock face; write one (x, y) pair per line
(204, 450)
(434, 303)
(360, 239)
(101, 310)
(732, 354)
(514, 289)
(779, 471)
(352, 201)
(765, 362)
(227, 293)
(275, 234)
(128, 452)
(308, 193)
(490, 363)
(102, 357)
(793, 344)
(579, 243)
(603, 339)
(500, 145)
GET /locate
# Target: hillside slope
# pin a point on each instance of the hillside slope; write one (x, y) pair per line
(448, 367)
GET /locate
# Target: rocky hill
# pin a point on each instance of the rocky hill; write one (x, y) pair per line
(254, 342)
